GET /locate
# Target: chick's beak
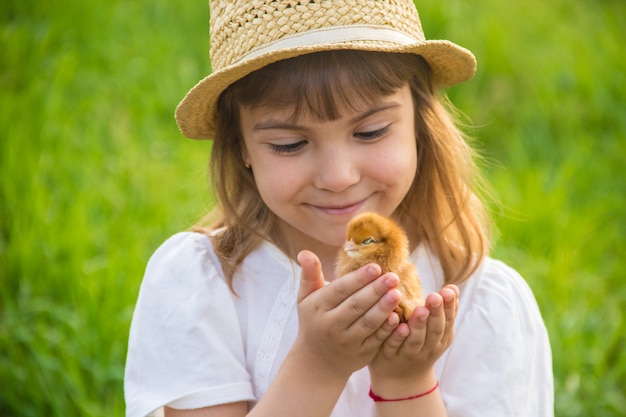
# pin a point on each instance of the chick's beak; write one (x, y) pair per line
(351, 249)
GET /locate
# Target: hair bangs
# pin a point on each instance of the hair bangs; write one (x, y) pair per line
(326, 85)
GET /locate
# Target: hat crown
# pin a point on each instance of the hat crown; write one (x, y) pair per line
(239, 28)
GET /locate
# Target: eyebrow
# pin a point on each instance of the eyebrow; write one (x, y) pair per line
(281, 124)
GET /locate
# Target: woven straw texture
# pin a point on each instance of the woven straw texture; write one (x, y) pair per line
(247, 35)
(240, 26)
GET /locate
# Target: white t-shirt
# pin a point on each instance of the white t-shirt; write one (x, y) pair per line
(193, 343)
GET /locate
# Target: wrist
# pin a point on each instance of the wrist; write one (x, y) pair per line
(319, 367)
(379, 399)
(404, 387)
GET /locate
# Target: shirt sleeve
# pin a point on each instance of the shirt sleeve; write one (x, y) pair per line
(500, 363)
(185, 347)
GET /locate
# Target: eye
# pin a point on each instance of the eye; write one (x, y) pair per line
(288, 148)
(368, 241)
(374, 134)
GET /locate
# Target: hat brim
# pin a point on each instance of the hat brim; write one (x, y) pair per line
(450, 64)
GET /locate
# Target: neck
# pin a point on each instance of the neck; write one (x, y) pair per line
(292, 241)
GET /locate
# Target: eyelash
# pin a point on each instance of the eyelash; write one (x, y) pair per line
(294, 147)
(289, 148)
(375, 134)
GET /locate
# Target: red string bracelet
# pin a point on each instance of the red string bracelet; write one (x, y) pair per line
(378, 399)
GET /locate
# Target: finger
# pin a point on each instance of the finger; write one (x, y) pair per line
(418, 326)
(436, 325)
(454, 289)
(342, 288)
(366, 298)
(427, 325)
(393, 344)
(372, 305)
(311, 277)
(388, 327)
(450, 304)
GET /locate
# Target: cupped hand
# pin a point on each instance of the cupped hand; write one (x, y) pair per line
(412, 349)
(343, 325)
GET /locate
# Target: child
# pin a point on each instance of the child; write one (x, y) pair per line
(320, 110)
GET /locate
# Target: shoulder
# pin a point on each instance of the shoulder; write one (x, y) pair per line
(183, 250)
(182, 273)
(186, 268)
(495, 278)
(193, 252)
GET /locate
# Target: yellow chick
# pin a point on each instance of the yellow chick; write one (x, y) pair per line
(371, 237)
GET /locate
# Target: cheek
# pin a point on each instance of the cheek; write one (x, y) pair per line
(275, 185)
(397, 166)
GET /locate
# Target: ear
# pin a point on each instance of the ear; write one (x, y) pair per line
(245, 156)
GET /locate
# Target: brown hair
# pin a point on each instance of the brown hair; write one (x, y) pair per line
(441, 209)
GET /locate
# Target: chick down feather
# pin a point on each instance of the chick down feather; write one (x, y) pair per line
(372, 238)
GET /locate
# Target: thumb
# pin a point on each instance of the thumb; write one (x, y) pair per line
(311, 278)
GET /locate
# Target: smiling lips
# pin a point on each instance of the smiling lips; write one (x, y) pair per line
(349, 209)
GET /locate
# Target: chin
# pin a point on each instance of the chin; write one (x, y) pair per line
(336, 240)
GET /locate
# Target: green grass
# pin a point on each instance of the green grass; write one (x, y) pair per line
(94, 176)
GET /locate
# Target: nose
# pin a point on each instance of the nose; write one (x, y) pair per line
(336, 170)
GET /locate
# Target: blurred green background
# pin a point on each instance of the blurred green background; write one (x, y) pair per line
(94, 176)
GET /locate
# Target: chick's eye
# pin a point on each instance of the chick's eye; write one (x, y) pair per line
(368, 241)
(373, 134)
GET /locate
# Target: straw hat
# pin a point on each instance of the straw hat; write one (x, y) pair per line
(247, 35)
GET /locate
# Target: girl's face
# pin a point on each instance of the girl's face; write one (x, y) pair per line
(316, 175)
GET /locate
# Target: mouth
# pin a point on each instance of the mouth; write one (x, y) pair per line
(341, 209)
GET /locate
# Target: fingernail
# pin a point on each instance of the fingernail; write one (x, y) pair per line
(392, 281)
(372, 272)
(393, 296)
(393, 320)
